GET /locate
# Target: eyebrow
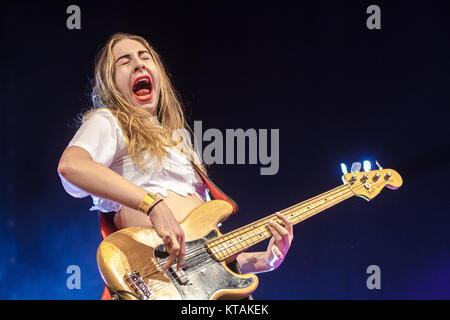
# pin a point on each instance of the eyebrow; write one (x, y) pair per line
(128, 55)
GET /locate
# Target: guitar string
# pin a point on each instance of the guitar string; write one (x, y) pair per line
(157, 288)
(192, 270)
(190, 273)
(263, 221)
(189, 253)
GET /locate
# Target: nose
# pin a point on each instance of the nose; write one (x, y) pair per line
(139, 65)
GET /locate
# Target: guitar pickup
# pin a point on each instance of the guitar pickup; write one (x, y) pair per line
(180, 276)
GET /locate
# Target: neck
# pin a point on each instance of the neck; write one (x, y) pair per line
(239, 240)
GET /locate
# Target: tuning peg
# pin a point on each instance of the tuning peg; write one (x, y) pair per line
(378, 165)
(356, 167)
(344, 168)
(367, 165)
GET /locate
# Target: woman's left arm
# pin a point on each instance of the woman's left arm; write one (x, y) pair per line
(256, 262)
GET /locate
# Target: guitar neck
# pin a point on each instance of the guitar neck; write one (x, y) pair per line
(240, 239)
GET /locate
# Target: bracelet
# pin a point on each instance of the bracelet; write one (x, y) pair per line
(151, 207)
(148, 202)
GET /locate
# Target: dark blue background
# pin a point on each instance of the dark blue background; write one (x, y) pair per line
(337, 92)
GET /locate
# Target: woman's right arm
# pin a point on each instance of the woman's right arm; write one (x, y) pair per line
(77, 166)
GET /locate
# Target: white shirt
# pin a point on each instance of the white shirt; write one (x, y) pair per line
(102, 137)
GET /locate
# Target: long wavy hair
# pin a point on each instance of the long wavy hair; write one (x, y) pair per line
(141, 134)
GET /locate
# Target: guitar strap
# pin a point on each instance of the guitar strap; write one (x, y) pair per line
(213, 189)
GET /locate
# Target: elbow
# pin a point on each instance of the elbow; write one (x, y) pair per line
(71, 161)
(64, 167)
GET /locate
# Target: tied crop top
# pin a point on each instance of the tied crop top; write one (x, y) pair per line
(102, 137)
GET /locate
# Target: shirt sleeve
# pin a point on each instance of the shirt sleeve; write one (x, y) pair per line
(98, 136)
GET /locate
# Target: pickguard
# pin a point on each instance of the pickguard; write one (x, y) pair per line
(201, 275)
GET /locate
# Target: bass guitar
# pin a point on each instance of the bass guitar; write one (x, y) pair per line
(131, 260)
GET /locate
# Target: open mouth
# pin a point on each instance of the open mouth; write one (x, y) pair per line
(143, 88)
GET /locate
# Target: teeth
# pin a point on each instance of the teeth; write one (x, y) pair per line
(141, 84)
(143, 80)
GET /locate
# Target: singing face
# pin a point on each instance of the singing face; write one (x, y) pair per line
(136, 75)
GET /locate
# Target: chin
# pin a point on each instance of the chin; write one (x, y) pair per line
(150, 107)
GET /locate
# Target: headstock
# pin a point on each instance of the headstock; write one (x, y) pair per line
(368, 184)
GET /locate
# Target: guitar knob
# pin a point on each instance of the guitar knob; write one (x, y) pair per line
(356, 167)
(388, 175)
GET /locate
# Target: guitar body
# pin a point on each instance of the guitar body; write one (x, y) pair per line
(132, 260)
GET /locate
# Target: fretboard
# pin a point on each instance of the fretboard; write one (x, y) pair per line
(240, 239)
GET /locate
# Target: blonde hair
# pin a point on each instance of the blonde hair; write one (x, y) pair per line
(141, 134)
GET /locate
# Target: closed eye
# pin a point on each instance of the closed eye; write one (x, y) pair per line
(145, 56)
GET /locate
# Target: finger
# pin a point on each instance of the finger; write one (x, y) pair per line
(278, 237)
(284, 237)
(182, 253)
(175, 246)
(287, 226)
(171, 258)
(277, 252)
(287, 222)
(169, 262)
(173, 249)
(279, 228)
(166, 240)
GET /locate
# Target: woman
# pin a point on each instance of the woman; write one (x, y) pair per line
(124, 150)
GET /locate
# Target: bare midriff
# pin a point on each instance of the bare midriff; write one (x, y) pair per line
(178, 204)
